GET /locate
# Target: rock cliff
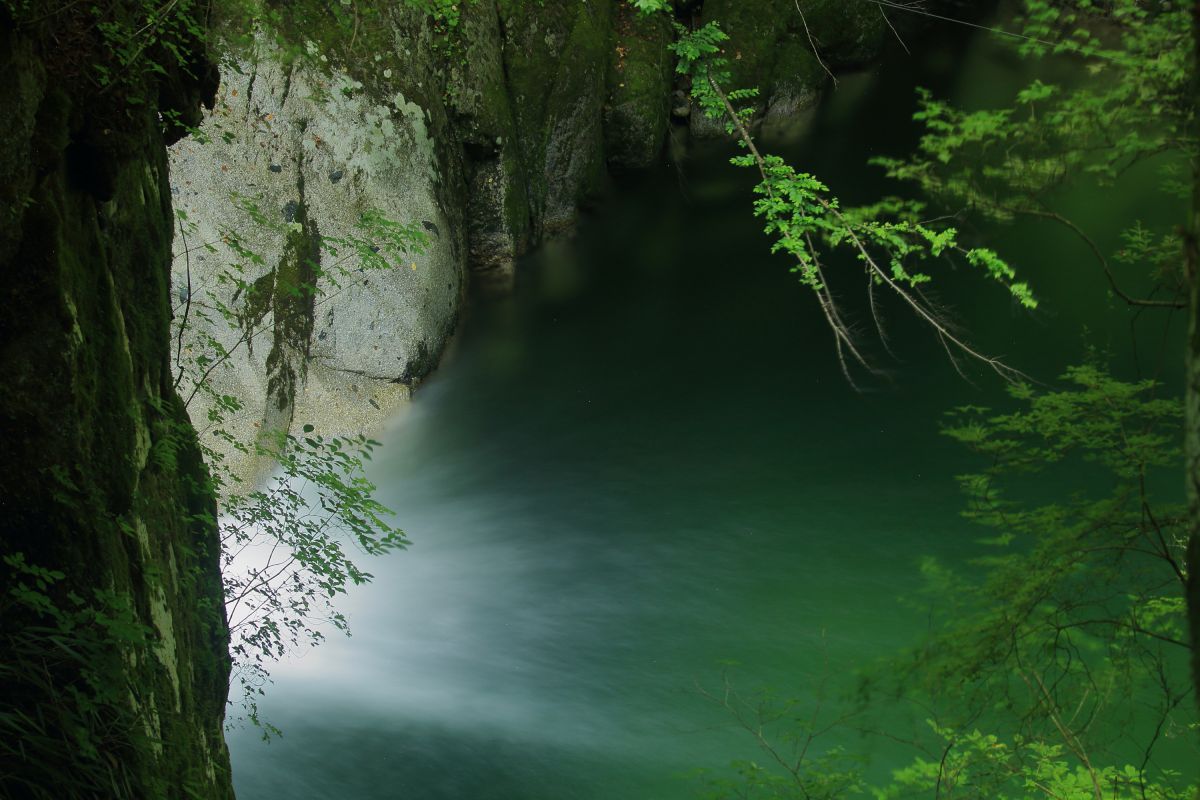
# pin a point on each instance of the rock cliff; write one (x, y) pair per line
(114, 669)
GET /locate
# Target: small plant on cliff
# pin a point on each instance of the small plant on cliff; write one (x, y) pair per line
(292, 546)
(70, 715)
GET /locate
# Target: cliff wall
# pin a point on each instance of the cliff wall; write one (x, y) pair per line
(112, 628)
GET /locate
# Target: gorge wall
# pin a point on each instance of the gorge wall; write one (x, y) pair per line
(490, 135)
(114, 662)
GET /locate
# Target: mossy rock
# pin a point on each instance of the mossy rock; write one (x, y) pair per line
(555, 58)
(771, 48)
(640, 74)
(848, 33)
(497, 217)
(21, 97)
(754, 28)
(797, 84)
(100, 476)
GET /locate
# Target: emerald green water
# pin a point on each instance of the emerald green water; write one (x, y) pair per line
(643, 465)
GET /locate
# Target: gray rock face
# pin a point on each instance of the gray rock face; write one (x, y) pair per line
(496, 201)
(282, 196)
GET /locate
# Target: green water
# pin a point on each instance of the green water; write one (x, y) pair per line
(642, 466)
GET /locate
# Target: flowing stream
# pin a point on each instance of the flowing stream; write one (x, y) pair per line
(643, 472)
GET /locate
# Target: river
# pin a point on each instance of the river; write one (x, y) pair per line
(643, 472)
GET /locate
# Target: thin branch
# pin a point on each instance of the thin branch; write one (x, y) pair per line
(899, 38)
(1069, 737)
(877, 317)
(186, 309)
(925, 13)
(812, 43)
(940, 326)
(1054, 216)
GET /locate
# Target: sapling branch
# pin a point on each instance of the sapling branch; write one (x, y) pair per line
(1054, 216)
(850, 233)
(292, 533)
(187, 307)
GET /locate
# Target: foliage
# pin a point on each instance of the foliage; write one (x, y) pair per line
(798, 210)
(304, 522)
(129, 38)
(71, 692)
(1127, 100)
(890, 239)
(1059, 667)
(1070, 631)
(651, 6)
(114, 44)
(289, 548)
(978, 765)
(1062, 665)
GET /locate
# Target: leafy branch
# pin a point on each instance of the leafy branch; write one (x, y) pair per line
(888, 238)
(291, 547)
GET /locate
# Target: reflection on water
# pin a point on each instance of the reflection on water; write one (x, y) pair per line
(643, 465)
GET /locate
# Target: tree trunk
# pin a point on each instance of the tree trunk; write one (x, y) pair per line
(1191, 244)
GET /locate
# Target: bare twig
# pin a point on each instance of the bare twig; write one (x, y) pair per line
(187, 307)
(899, 38)
(812, 43)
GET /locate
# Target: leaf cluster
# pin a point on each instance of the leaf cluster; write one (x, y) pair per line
(1127, 98)
(890, 238)
(1067, 630)
(68, 722)
(292, 547)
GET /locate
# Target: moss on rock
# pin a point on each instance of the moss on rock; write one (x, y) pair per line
(773, 46)
(555, 59)
(796, 88)
(848, 33)
(497, 213)
(640, 71)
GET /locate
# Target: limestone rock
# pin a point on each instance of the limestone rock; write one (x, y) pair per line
(294, 153)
